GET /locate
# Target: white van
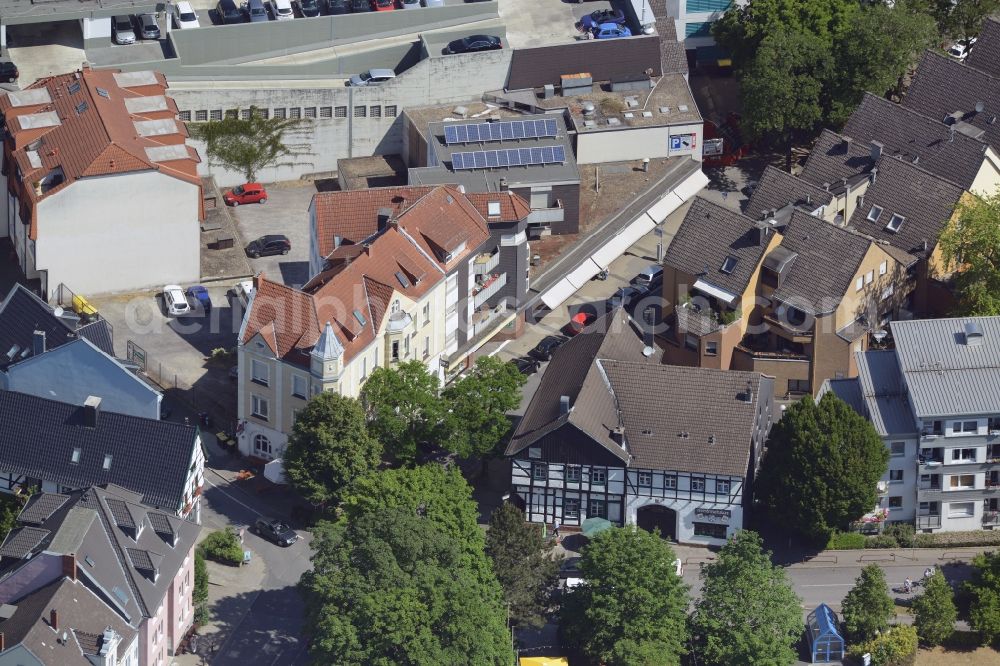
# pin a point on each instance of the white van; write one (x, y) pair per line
(282, 10)
(648, 276)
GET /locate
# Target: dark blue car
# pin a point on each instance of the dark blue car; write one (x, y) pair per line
(198, 295)
(594, 19)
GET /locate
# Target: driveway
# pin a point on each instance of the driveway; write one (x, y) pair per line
(532, 23)
(286, 212)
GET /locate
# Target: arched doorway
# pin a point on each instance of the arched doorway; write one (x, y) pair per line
(655, 516)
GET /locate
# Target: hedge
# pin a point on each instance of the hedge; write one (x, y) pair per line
(223, 546)
(901, 536)
(846, 541)
(896, 647)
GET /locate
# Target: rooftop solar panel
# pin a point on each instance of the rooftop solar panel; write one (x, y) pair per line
(473, 132)
(518, 128)
(462, 133)
(480, 159)
(529, 129)
(492, 161)
(506, 131)
(551, 127)
(559, 153)
(546, 154)
(450, 134)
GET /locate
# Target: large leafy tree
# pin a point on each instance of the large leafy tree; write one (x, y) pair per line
(867, 608)
(329, 447)
(477, 406)
(527, 573)
(631, 609)
(822, 467)
(971, 247)
(984, 595)
(748, 613)
(202, 613)
(402, 577)
(962, 19)
(246, 145)
(403, 407)
(935, 611)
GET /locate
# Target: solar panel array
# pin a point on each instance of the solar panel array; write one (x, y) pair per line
(493, 159)
(507, 130)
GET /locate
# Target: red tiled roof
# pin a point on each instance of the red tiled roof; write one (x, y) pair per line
(353, 215)
(444, 218)
(512, 207)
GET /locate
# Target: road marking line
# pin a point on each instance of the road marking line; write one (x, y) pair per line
(230, 495)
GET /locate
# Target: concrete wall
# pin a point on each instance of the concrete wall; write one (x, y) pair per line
(635, 143)
(987, 180)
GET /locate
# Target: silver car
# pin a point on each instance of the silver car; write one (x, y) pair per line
(372, 77)
(121, 26)
(150, 28)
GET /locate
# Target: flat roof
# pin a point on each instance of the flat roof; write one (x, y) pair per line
(14, 12)
(668, 102)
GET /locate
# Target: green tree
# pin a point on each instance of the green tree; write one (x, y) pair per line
(935, 611)
(527, 573)
(329, 447)
(632, 606)
(223, 546)
(245, 145)
(962, 19)
(971, 248)
(202, 613)
(896, 647)
(748, 613)
(823, 465)
(10, 508)
(402, 578)
(477, 406)
(867, 608)
(403, 407)
(984, 595)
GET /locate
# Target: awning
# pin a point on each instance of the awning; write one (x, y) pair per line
(623, 240)
(712, 290)
(544, 661)
(677, 196)
(558, 293)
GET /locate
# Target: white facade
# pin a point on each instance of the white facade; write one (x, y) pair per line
(898, 487)
(640, 142)
(693, 19)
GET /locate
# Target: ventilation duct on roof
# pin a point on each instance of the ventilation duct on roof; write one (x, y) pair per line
(973, 334)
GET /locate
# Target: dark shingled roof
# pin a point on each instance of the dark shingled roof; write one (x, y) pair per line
(833, 159)
(926, 201)
(673, 57)
(21, 314)
(99, 332)
(40, 507)
(709, 234)
(949, 155)
(148, 456)
(21, 541)
(985, 55)
(943, 86)
(778, 188)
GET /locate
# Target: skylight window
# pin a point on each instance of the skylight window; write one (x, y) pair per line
(360, 317)
(729, 265)
(107, 461)
(493, 208)
(895, 222)
(81, 107)
(74, 88)
(403, 282)
(875, 213)
(75, 458)
(103, 93)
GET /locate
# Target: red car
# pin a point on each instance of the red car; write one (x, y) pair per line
(246, 194)
(578, 322)
(383, 5)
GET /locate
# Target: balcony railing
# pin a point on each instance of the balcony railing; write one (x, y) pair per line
(786, 329)
(928, 522)
(398, 321)
(490, 287)
(991, 518)
(485, 263)
(547, 215)
(482, 322)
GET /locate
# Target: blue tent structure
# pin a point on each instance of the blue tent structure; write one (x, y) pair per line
(825, 642)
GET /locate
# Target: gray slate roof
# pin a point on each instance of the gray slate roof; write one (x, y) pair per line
(148, 456)
(832, 159)
(884, 391)
(40, 507)
(21, 541)
(709, 234)
(944, 376)
(778, 189)
(902, 131)
(926, 201)
(673, 57)
(943, 85)
(985, 55)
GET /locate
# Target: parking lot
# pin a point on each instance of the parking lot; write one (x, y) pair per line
(533, 23)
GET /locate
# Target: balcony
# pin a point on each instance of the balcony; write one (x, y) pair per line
(485, 263)
(787, 329)
(547, 215)
(928, 522)
(991, 518)
(483, 321)
(488, 288)
(882, 488)
(398, 321)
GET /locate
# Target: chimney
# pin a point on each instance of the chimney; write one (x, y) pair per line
(69, 566)
(747, 395)
(503, 184)
(563, 405)
(461, 189)
(54, 619)
(91, 410)
(618, 435)
(384, 215)
(876, 150)
(809, 199)
(847, 142)
(874, 175)
(38, 343)
(826, 186)
(337, 240)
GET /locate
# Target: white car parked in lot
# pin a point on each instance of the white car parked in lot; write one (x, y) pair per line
(282, 10)
(184, 16)
(175, 301)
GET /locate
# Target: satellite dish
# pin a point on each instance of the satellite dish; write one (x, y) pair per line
(980, 107)
(58, 312)
(648, 351)
(879, 335)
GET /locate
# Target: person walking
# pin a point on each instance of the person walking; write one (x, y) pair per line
(908, 585)
(555, 528)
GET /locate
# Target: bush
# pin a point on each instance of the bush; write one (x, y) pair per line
(958, 539)
(224, 547)
(881, 541)
(903, 533)
(846, 541)
(895, 647)
(202, 614)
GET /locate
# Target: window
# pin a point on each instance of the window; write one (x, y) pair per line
(534, 452)
(869, 276)
(895, 222)
(259, 372)
(729, 265)
(299, 384)
(710, 530)
(364, 368)
(571, 508)
(390, 110)
(598, 477)
(702, 29)
(375, 111)
(395, 350)
(200, 116)
(895, 476)
(961, 509)
(427, 346)
(670, 481)
(597, 508)
(875, 213)
(309, 112)
(895, 502)
(697, 484)
(965, 426)
(691, 342)
(798, 386)
(340, 112)
(711, 348)
(245, 114)
(959, 481)
(644, 479)
(539, 471)
(262, 113)
(359, 111)
(295, 113)
(75, 458)
(859, 284)
(326, 112)
(184, 116)
(963, 455)
(722, 487)
(261, 444)
(427, 313)
(232, 113)
(883, 268)
(897, 449)
(280, 114)
(573, 473)
(258, 407)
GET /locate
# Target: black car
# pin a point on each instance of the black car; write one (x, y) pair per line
(358, 6)
(8, 72)
(543, 350)
(474, 44)
(266, 246)
(275, 531)
(309, 7)
(338, 6)
(526, 365)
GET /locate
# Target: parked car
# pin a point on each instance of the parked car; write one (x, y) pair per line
(474, 44)
(372, 77)
(526, 365)
(578, 322)
(8, 71)
(358, 6)
(543, 350)
(410, 4)
(433, 3)
(336, 7)
(624, 296)
(242, 291)
(601, 16)
(269, 245)
(282, 10)
(383, 5)
(184, 16)
(648, 276)
(229, 12)
(309, 8)
(198, 296)
(148, 26)
(121, 28)
(275, 531)
(611, 31)
(174, 301)
(960, 50)
(256, 11)
(245, 194)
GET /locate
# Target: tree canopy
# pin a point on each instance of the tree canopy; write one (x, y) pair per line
(867, 608)
(984, 596)
(527, 573)
(403, 407)
(477, 405)
(631, 607)
(748, 613)
(962, 19)
(971, 246)
(935, 611)
(246, 144)
(822, 467)
(329, 447)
